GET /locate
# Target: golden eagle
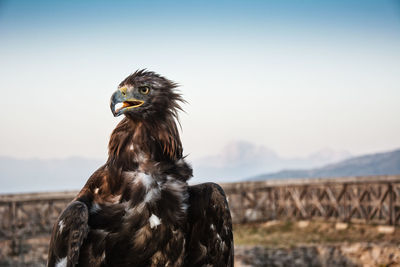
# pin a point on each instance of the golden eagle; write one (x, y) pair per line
(138, 209)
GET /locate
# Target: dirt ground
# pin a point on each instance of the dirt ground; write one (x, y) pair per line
(288, 234)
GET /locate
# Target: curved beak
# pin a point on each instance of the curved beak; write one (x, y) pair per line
(116, 98)
(124, 102)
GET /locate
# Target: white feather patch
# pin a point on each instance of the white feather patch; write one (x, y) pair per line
(184, 207)
(146, 179)
(141, 157)
(62, 262)
(154, 221)
(152, 195)
(219, 237)
(61, 225)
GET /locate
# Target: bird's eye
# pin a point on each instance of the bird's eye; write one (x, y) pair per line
(144, 90)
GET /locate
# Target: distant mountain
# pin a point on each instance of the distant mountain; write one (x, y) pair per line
(387, 163)
(35, 175)
(243, 159)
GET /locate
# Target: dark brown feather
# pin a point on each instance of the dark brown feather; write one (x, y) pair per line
(209, 233)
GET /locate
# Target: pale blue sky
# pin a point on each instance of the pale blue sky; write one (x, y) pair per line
(295, 76)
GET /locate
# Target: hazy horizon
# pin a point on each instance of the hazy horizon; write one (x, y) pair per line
(238, 161)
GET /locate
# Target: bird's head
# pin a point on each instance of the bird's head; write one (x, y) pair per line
(143, 94)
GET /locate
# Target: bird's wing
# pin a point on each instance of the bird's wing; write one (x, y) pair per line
(210, 239)
(69, 232)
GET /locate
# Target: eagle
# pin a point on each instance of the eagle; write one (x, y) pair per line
(138, 208)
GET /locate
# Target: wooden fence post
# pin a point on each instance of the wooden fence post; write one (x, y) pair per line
(391, 204)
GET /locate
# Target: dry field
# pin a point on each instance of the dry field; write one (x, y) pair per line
(316, 243)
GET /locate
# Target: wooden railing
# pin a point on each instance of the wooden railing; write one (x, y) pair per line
(359, 199)
(374, 199)
(23, 216)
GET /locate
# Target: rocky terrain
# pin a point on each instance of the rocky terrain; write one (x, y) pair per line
(357, 254)
(33, 253)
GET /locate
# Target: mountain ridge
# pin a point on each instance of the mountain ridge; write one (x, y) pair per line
(382, 163)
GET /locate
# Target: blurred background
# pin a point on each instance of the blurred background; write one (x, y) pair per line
(270, 85)
(275, 90)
